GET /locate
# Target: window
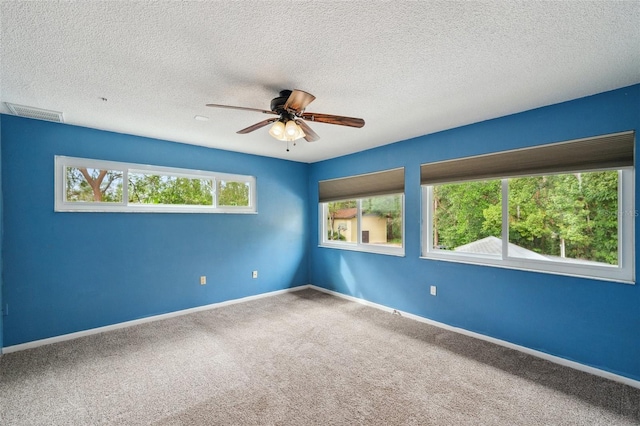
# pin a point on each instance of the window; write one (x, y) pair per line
(94, 185)
(368, 224)
(576, 217)
(372, 219)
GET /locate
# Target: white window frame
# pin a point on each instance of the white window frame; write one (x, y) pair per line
(624, 272)
(358, 245)
(62, 205)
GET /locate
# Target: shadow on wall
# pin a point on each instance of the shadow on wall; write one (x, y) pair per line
(354, 277)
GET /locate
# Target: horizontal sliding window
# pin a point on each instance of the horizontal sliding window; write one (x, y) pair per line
(95, 185)
(578, 222)
(373, 222)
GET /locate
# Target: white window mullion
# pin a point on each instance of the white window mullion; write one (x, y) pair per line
(323, 230)
(214, 193)
(505, 218)
(359, 222)
(627, 214)
(427, 208)
(125, 187)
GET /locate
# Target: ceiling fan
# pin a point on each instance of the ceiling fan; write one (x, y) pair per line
(289, 125)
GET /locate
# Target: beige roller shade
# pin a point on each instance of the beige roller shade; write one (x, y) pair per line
(602, 152)
(367, 185)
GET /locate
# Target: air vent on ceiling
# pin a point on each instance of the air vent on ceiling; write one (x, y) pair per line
(37, 113)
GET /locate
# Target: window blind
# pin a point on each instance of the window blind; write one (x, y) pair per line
(602, 152)
(366, 185)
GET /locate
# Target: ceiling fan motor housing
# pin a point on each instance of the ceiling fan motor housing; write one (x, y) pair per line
(277, 104)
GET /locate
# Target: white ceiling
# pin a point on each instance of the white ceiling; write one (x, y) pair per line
(407, 68)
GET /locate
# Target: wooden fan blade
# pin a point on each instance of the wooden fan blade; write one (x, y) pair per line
(257, 126)
(310, 135)
(264, 111)
(333, 119)
(298, 100)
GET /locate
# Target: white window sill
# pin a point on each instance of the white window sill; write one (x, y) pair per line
(602, 273)
(366, 248)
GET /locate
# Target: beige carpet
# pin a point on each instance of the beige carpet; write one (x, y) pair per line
(295, 359)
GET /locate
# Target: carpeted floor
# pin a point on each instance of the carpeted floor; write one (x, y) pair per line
(294, 359)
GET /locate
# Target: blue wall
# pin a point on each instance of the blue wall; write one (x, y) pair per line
(66, 272)
(593, 322)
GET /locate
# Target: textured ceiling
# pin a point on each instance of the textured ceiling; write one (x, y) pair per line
(407, 68)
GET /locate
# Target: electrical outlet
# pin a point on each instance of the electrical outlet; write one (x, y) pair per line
(433, 290)
(203, 280)
(254, 274)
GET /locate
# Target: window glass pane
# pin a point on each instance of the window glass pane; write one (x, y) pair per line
(381, 221)
(84, 184)
(163, 189)
(468, 217)
(569, 217)
(342, 221)
(232, 193)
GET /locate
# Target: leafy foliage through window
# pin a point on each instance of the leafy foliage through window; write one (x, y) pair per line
(466, 212)
(569, 216)
(94, 185)
(147, 188)
(232, 193)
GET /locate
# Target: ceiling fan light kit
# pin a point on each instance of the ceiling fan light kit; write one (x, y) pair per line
(288, 132)
(289, 106)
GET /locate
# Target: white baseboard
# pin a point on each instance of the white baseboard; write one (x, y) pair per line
(71, 336)
(539, 354)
